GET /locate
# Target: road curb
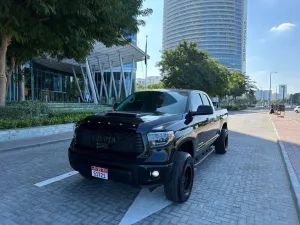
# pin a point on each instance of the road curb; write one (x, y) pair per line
(32, 132)
(294, 183)
(35, 145)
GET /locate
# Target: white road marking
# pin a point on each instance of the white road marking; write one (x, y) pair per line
(54, 179)
(294, 121)
(145, 204)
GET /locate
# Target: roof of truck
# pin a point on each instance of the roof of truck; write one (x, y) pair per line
(173, 90)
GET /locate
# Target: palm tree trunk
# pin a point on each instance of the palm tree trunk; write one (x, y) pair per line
(21, 83)
(9, 74)
(3, 79)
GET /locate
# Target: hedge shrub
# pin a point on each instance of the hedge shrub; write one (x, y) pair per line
(51, 119)
(24, 110)
(29, 109)
(234, 108)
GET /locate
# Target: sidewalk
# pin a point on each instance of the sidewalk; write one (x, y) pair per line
(289, 132)
(36, 141)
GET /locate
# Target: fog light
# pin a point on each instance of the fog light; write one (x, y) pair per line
(155, 173)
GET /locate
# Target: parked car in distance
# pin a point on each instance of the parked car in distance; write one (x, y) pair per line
(297, 109)
(152, 138)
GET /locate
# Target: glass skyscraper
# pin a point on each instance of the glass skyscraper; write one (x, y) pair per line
(219, 27)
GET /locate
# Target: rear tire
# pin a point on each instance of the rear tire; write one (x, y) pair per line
(179, 184)
(221, 144)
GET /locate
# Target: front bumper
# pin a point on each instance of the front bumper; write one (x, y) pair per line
(134, 174)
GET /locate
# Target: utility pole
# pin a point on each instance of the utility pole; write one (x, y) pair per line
(146, 62)
(270, 90)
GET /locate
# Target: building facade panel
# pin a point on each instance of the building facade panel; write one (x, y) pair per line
(52, 81)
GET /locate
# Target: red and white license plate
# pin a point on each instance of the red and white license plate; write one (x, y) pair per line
(99, 172)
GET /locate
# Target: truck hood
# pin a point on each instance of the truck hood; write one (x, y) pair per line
(142, 122)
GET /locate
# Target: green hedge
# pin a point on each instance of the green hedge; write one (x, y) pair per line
(33, 114)
(51, 119)
(233, 108)
(24, 110)
(36, 109)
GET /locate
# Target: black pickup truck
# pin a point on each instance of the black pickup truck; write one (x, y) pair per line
(152, 138)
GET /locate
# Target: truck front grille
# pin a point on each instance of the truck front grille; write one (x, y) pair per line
(111, 141)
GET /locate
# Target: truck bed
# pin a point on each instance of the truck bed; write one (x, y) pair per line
(221, 112)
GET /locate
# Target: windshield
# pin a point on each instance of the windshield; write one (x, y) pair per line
(155, 101)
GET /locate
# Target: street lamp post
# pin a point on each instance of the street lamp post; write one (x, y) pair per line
(261, 96)
(283, 90)
(270, 88)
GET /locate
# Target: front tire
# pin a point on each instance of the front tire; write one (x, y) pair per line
(179, 184)
(221, 144)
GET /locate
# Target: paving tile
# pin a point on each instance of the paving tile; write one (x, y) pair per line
(247, 185)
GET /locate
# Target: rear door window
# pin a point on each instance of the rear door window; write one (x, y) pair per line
(195, 102)
(205, 99)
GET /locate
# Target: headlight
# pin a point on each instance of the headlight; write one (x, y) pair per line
(160, 139)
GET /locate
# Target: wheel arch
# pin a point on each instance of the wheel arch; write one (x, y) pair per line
(224, 126)
(187, 146)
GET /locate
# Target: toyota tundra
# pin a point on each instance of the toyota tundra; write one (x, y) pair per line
(152, 138)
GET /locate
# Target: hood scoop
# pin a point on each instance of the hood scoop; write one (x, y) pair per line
(120, 114)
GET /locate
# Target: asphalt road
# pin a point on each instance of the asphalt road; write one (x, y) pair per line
(248, 185)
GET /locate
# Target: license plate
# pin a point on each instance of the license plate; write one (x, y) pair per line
(99, 172)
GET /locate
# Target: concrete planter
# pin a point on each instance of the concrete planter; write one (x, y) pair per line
(21, 133)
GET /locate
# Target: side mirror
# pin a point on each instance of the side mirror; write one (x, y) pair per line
(204, 110)
(115, 106)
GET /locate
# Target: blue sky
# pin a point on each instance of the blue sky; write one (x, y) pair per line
(273, 42)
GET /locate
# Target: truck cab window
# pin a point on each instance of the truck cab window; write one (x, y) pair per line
(155, 102)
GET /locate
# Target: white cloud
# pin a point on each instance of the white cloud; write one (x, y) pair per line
(283, 27)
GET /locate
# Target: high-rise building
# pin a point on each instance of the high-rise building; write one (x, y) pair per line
(282, 91)
(267, 94)
(150, 80)
(259, 95)
(219, 26)
(263, 95)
